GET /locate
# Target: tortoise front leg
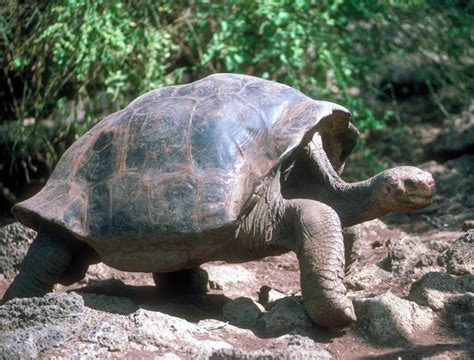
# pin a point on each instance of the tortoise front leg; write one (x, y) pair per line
(45, 263)
(319, 246)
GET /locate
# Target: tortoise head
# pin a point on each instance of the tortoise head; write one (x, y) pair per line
(406, 188)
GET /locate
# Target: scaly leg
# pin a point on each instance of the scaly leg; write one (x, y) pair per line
(319, 246)
(45, 262)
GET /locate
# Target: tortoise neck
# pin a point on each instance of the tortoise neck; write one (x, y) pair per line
(354, 202)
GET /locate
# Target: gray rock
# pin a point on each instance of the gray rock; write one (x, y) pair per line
(107, 335)
(287, 314)
(105, 330)
(110, 304)
(32, 325)
(440, 245)
(456, 136)
(267, 295)
(242, 312)
(460, 311)
(459, 257)
(213, 324)
(467, 225)
(298, 348)
(452, 205)
(452, 295)
(98, 272)
(403, 252)
(435, 289)
(152, 328)
(167, 356)
(353, 236)
(15, 240)
(367, 277)
(227, 277)
(407, 255)
(302, 347)
(77, 349)
(392, 320)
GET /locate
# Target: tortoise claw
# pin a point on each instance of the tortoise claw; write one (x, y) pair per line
(350, 314)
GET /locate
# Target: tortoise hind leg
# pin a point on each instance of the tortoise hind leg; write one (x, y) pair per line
(45, 262)
(182, 282)
(82, 256)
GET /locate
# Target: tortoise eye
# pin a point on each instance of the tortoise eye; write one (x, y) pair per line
(409, 183)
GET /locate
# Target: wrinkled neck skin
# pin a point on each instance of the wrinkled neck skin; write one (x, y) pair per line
(354, 202)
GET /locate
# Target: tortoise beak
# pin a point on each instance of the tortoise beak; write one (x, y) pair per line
(417, 192)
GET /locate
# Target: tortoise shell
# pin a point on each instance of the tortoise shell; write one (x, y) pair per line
(180, 159)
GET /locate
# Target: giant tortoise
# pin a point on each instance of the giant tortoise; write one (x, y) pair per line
(230, 167)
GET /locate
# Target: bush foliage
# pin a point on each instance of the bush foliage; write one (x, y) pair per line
(67, 63)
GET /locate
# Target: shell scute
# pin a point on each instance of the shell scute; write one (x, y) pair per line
(157, 140)
(213, 199)
(166, 204)
(221, 129)
(129, 213)
(99, 199)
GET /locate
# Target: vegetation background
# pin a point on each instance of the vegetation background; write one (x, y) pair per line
(66, 64)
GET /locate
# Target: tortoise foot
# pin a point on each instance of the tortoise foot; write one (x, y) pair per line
(331, 313)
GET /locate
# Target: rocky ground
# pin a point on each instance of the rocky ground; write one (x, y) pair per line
(413, 290)
(413, 295)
